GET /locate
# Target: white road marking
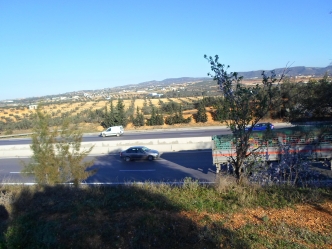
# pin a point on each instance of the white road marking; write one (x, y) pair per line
(105, 183)
(18, 183)
(16, 157)
(139, 183)
(20, 172)
(140, 170)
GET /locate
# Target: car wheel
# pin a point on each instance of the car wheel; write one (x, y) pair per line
(127, 158)
(150, 158)
(117, 134)
(104, 135)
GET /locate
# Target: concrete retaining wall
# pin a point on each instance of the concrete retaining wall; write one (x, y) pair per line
(115, 146)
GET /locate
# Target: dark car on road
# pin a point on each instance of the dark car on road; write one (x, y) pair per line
(261, 127)
(138, 153)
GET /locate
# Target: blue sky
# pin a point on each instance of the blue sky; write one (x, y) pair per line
(53, 47)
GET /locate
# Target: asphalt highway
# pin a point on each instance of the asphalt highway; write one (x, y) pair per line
(171, 167)
(147, 134)
(134, 135)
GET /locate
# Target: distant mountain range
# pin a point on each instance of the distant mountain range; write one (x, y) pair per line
(293, 71)
(169, 81)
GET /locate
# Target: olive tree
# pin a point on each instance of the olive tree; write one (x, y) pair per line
(244, 106)
(309, 104)
(57, 153)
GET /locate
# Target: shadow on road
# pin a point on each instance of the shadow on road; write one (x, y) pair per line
(324, 170)
(170, 167)
(200, 160)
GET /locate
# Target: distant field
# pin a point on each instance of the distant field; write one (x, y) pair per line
(14, 114)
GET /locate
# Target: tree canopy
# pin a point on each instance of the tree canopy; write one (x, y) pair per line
(57, 153)
(243, 106)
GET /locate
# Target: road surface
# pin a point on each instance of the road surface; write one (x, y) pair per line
(172, 167)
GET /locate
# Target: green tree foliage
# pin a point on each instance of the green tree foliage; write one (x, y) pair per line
(146, 109)
(211, 101)
(313, 101)
(23, 124)
(150, 103)
(57, 154)
(187, 105)
(170, 107)
(221, 112)
(89, 116)
(288, 92)
(115, 116)
(159, 119)
(131, 110)
(139, 119)
(244, 106)
(152, 120)
(109, 116)
(156, 118)
(177, 118)
(201, 115)
(121, 117)
(310, 101)
(2, 126)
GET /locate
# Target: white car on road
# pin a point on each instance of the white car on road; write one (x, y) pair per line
(113, 131)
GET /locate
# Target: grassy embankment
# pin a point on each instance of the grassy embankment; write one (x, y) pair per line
(161, 216)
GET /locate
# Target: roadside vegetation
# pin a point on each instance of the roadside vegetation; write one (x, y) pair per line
(57, 154)
(227, 215)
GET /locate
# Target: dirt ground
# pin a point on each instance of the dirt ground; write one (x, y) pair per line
(316, 218)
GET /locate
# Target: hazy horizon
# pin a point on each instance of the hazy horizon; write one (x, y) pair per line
(96, 89)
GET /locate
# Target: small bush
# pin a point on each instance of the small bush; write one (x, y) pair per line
(9, 132)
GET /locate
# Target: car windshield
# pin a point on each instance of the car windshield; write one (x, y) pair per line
(145, 149)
